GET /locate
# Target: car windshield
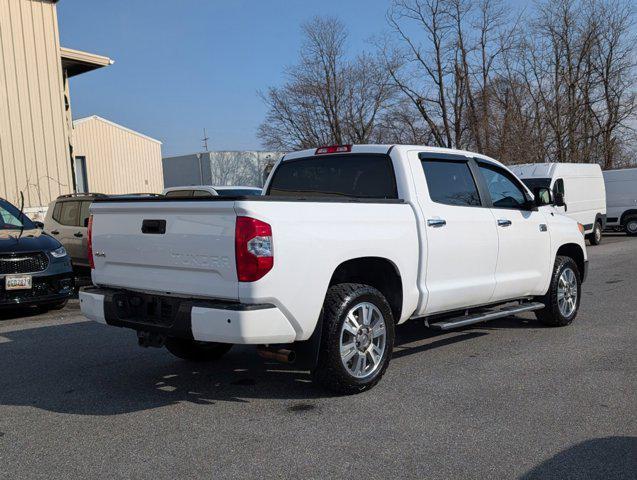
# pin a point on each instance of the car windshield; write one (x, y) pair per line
(236, 192)
(11, 219)
(536, 182)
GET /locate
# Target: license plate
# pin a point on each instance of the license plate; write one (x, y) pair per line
(18, 282)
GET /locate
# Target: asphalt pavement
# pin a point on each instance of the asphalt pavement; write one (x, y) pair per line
(505, 399)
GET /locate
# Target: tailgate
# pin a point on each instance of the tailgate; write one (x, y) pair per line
(169, 247)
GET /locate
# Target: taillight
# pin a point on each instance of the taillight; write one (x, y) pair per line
(90, 242)
(253, 249)
(333, 149)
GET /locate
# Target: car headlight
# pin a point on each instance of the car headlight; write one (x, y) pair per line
(59, 252)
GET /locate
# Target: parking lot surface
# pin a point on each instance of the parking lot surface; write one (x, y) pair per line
(505, 399)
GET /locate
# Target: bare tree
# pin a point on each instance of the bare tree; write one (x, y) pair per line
(422, 68)
(555, 84)
(579, 68)
(328, 98)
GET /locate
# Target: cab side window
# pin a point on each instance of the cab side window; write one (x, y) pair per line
(504, 190)
(451, 182)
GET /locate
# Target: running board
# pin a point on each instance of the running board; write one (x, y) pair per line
(465, 320)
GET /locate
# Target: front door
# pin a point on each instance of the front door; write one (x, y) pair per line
(524, 261)
(461, 246)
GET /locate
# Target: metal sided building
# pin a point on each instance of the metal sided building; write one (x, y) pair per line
(219, 168)
(35, 111)
(110, 158)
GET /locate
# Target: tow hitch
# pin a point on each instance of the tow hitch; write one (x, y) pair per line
(150, 339)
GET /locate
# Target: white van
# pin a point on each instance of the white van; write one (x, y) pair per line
(580, 184)
(621, 199)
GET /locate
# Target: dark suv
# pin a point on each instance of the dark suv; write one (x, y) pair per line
(34, 267)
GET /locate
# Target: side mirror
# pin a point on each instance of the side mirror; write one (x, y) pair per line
(86, 222)
(38, 224)
(558, 200)
(543, 196)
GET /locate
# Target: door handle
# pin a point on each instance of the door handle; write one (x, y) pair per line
(503, 222)
(78, 235)
(55, 232)
(436, 222)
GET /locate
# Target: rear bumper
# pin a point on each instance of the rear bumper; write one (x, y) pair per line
(202, 320)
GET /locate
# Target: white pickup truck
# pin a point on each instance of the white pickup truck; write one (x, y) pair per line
(346, 242)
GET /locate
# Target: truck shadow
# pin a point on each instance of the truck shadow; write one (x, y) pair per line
(599, 458)
(87, 369)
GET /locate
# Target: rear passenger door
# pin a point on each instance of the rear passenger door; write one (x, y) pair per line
(461, 238)
(524, 245)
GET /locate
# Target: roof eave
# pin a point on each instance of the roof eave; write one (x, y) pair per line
(76, 62)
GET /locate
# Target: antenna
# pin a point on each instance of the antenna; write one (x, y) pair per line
(204, 140)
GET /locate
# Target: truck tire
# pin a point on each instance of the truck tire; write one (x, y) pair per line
(630, 225)
(357, 340)
(195, 351)
(563, 297)
(595, 237)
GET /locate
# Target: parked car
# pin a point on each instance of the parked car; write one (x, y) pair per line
(621, 199)
(34, 267)
(210, 191)
(579, 188)
(347, 242)
(67, 220)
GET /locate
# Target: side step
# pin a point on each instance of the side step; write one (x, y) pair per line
(464, 320)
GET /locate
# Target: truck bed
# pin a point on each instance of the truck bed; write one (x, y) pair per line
(192, 252)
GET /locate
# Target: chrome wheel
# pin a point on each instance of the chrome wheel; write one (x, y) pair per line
(631, 227)
(567, 292)
(598, 233)
(363, 340)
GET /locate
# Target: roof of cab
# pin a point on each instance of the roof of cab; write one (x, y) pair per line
(385, 148)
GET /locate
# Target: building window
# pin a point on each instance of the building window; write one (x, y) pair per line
(80, 175)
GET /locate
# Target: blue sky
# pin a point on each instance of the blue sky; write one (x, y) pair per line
(181, 65)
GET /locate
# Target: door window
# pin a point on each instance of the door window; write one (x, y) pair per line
(201, 193)
(81, 178)
(84, 214)
(69, 214)
(451, 183)
(504, 190)
(57, 212)
(179, 193)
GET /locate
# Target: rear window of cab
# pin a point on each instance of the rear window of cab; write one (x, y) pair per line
(351, 175)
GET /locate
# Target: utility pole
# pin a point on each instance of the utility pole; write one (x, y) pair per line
(204, 140)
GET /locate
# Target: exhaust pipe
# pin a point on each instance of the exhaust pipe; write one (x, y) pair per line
(282, 355)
